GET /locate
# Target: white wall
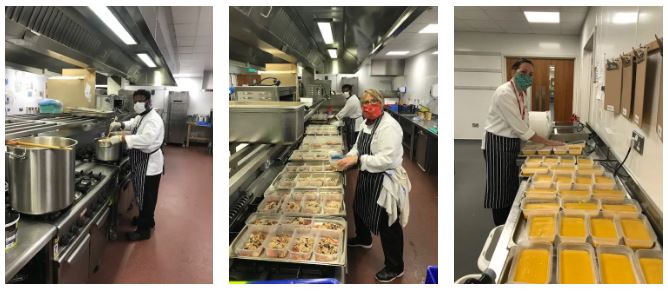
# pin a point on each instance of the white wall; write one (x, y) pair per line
(420, 73)
(612, 39)
(201, 102)
(23, 90)
(480, 68)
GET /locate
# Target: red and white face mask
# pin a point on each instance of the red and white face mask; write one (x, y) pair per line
(372, 111)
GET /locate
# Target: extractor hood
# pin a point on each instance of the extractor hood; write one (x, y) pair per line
(54, 38)
(259, 35)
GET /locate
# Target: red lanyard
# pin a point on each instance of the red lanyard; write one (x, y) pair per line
(520, 99)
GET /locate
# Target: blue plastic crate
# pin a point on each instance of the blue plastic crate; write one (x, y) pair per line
(432, 275)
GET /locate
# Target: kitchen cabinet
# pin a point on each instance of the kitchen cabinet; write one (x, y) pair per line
(426, 152)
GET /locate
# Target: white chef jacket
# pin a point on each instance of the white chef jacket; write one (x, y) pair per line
(149, 138)
(385, 146)
(352, 109)
(504, 117)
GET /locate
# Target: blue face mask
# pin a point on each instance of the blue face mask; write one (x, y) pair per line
(523, 81)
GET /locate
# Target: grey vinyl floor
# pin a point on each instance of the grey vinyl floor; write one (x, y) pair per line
(472, 221)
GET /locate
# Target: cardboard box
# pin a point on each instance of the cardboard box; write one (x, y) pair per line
(76, 89)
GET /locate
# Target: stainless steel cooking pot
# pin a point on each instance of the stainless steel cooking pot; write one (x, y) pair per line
(41, 179)
(107, 151)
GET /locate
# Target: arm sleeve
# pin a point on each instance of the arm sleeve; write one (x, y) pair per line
(345, 110)
(390, 150)
(509, 110)
(146, 139)
(130, 124)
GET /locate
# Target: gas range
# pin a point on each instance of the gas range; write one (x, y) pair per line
(94, 186)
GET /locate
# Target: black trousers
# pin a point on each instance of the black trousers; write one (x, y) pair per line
(391, 237)
(500, 215)
(146, 218)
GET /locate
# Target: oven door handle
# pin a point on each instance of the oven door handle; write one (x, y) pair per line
(76, 252)
(103, 217)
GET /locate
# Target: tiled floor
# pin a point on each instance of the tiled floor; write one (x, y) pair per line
(420, 235)
(181, 248)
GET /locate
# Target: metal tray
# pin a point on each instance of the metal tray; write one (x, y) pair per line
(310, 155)
(309, 167)
(266, 122)
(281, 211)
(341, 261)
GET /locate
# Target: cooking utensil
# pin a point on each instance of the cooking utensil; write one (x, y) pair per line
(38, 145)
(41, 179)
(107, 151)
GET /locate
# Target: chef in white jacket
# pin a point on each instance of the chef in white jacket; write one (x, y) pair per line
(378, 155)
(507, 125)
(146, 159)
(351, 115)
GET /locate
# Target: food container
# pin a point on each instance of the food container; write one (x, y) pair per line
(531, 263)
(276, 192)
(542, 227)
(263, 219)
(530, 149)
(577, 207)
(604, 230)
(276, 245)
(107, 151)
(567, 161)
(533, 161)
(252, 241)
(616, 265)
(296, 221)
(575, 192)
(328, 245)
(583, 180)
(270, 122)
(298, 167)
(542, 180)
(544, 151)
(285, 180)
(573, 228)
(563, 170)
(292, 206)
(299, 194)
(269, 204)
(605, 181)
(332, 203)
(564, 179)
(651, 266)
(544, 193)
(575, 149)
(301, 246)
(319, 224)
(585, 163)
(539, 206)
(560, 150)
(311, 206)
(529, 171)
(616, 194)
(551, 161)
(625, 208)
(637, 232)
(576, 264)
(11, 228)
(317, 180)
(595, 170)
(331, 191)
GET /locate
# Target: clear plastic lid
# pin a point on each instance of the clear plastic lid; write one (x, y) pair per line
(546, 206)
(531, 263)
(276, 244)
(595, 170)
(251, 242)
(575, 192)
(590, 207)
(544, 193)
(576, 264)
(637, 232)
(328, 245)
(624, 208)
(301, 246)
(616, 265)
(616, 194)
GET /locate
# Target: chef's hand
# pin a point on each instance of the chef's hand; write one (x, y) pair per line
(114, 126)
(116, 139)
(330, 116)
(346, 162)
(554, 143)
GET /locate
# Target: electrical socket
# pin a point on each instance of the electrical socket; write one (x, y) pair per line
(638, 141)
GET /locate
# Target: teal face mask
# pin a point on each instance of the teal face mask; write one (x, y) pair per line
(523, 81)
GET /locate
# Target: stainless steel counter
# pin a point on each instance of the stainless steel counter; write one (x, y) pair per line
(427, 125)
(32, 237)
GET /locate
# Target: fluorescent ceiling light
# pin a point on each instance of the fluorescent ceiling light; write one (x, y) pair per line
(326, 32)
(625, 17)
(113, 24)
(332, 53)
(66, 78)
(397, 53)
(549, 45)
(542, 17)
(430, 28)
(435, 53)
(147, 60)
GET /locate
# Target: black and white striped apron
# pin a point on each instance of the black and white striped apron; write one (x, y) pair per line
(349, 131)
(138, 166)
(502, 171)
(369, 185)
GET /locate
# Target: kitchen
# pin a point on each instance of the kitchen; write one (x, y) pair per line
(297, 78)
(95, 96)
(558, 144)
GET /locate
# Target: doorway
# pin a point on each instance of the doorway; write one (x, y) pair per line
(552, 88)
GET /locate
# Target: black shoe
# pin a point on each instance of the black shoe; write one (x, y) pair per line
(386, 276)
(139, 235)
(354, 242)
